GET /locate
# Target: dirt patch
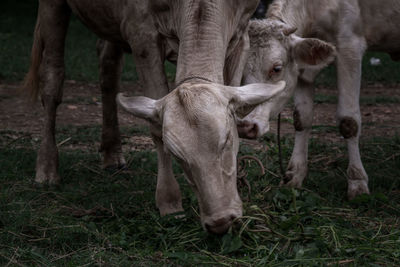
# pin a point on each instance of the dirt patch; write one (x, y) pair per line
(82, 107)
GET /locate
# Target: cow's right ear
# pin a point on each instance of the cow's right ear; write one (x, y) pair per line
(311, 52)
(140, 106)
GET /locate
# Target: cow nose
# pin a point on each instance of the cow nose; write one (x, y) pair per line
(220, 226)
(247, 129)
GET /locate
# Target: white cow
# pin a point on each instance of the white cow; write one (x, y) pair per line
(353, 26)
(196, 122)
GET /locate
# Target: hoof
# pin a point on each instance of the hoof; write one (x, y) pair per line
(356, 188)
(292, 180)
(51, 179)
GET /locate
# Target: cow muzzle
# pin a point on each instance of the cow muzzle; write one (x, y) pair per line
(251, 129)
(220, 224)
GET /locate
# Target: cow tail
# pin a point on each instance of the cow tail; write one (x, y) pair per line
(32, 79)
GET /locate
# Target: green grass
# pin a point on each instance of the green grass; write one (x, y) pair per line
(101, 218)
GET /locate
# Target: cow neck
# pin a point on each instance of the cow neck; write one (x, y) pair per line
(200, 58)
(203, 41)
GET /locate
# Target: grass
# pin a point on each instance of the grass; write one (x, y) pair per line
(110, 219)
(100, 218)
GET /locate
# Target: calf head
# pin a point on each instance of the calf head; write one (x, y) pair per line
(197, 124)
(276, 53)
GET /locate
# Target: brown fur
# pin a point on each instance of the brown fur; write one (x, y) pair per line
(348, 127)
(297, 121)
(32, 81)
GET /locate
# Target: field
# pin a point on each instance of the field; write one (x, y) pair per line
(99, 218)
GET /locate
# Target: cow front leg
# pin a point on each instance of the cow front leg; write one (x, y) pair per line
(54, 19)
(302, 118)
(168, 194)
(110, 66)
(348, 112)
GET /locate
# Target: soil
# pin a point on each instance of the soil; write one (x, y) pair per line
(82, 107)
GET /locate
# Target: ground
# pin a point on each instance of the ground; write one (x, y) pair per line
(380, 107)
(102, 218)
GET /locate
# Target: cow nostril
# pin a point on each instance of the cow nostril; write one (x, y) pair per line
(247, 129)
(253, 131)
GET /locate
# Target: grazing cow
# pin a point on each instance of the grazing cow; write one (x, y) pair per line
(196, 122)
(352, 26)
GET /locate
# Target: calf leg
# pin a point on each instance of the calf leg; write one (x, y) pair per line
(54, 17)
(111, 58)
(168, 195)
(348, 113)
(302, 117)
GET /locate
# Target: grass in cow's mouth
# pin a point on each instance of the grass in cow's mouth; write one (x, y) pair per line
(101, 218)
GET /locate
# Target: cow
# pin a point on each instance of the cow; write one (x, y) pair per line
(352, 26)
(196, 123)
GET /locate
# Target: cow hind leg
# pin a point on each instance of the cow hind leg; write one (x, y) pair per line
(348, 112)
(111, 59)
(54, 18)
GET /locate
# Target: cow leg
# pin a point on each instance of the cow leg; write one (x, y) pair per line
(148, 53)
(168, 195)
(111, 59)
(302, 117)
(348, 112)
(54, 18)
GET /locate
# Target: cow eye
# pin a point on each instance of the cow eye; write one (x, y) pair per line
(275, 70)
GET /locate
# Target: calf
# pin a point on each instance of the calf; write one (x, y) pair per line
(353, 27)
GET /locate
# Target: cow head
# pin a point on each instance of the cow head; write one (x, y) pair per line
(197, 124)
(276, 53)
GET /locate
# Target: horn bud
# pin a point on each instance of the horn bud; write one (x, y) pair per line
(287, 30)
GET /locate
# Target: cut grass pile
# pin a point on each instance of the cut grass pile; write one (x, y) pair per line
(100, 218)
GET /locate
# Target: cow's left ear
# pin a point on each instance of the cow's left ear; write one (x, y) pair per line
(311, 52)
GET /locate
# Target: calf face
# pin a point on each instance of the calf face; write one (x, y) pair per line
(278, 54)
(197, 124)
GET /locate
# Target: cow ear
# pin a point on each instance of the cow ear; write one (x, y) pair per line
(140, 106)
(245, 98)
(311, 52)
